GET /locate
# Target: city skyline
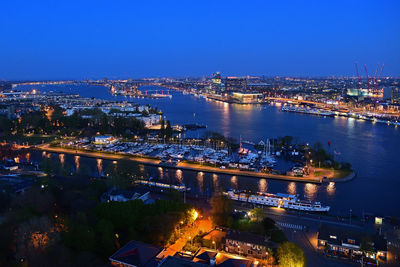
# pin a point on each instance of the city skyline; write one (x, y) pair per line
(156, 39)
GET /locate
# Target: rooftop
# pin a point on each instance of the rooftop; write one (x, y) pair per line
(136, 253)
(246, 237)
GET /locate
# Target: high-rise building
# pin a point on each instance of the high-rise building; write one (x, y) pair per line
(216, 85)
(395, 95)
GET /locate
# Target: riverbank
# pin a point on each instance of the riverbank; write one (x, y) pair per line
(329, 174)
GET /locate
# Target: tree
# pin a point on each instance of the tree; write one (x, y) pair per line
(122, 174)
(162, 130)
(105, 235)
(5, 125)
(290, 255)
(221, 210)
(268, 224)
(257, 214)
(168, 130)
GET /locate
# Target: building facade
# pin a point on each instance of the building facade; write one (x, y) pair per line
(350, 244)
(246, 244)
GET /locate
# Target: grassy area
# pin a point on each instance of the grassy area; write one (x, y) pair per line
(340, 174)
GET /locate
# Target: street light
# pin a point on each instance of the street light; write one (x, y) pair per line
(215, 246)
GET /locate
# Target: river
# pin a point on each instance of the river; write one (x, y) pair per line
(370, 148)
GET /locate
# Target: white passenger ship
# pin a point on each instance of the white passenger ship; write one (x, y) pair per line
(277, 200)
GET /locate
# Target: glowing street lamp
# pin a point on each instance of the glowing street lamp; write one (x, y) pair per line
(195, 215)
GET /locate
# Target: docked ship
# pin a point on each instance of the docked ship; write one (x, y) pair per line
(151, 182)
(161, 95)
(311, 111)
(277, 200)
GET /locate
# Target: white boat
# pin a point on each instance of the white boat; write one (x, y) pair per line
(161, 95)
(181, 187)
(277, 200)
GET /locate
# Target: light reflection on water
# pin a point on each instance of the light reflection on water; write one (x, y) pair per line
(141, 168)
(99, 166)
(215, 181)
(76, 159)
(262, 185)
(310, 191)
(291, 188)
(62, 159)
(234, 182)
(331, 189)
(178, 175)
(200, 181)
(160, 172)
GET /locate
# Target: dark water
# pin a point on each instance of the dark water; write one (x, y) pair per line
(372, 149)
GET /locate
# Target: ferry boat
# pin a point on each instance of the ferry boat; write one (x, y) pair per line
(179, 187)
(277, 200)
(161, 95)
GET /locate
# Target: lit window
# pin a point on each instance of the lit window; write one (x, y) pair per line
(332, 237)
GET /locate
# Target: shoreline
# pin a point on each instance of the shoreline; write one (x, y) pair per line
(189, 166)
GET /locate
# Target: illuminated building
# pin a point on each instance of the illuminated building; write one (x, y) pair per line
(216, 85)
(247, 98)
(346, 242)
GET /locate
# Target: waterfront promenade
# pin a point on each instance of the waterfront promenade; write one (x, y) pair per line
(329, 174)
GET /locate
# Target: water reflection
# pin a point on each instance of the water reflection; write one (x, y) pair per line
(200, 181)
(234, 182)
(330, 189)
(160, 172)
(310, 191)
(62, 159)
(178, 175)
(291, 189)
(77, 162)
(141, 168)
(215, 181)
(99, 166)
(262, 185)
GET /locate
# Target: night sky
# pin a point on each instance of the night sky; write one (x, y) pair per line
(121, 39)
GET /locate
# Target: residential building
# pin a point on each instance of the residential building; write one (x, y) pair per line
(136, 254)
(344, 242)
(247, 244)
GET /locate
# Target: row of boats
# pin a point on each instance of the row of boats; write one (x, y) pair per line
(372, 117)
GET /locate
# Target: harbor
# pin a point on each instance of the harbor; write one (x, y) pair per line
(355, 140)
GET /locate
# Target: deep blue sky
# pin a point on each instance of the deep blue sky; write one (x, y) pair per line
(93, 39)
